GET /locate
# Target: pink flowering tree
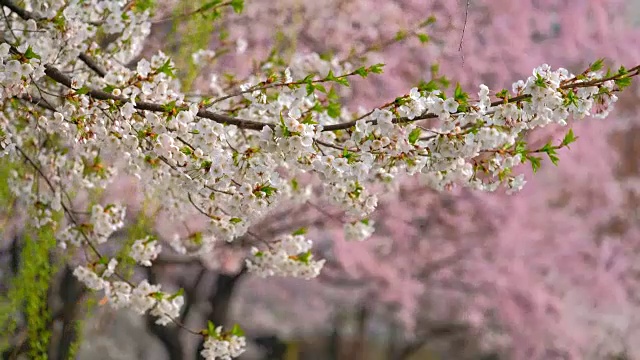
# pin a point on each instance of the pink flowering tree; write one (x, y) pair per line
(82, 108)
(546, 314)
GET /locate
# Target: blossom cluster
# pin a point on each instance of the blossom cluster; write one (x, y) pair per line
(145, 250)
(359, 230)
(219, 346)
(141, 298)
(288, 256)
(104, 221)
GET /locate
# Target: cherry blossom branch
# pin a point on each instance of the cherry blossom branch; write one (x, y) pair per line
(199, 10)
(268, 85)
(26, 15)
(61, 78)
(65, 80)
(571, 84)
(86, 237)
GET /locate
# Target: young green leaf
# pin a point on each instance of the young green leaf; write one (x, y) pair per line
(414, 135)
(237, 5)
(300, 231)
(569, 138)
(597, 65)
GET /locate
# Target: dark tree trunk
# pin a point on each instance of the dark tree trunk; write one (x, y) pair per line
(168, 335)
(360, 348)
(334, 343)
(71, 292)
(274, 348)
(220, 300)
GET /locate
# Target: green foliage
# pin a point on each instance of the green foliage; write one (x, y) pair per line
(414, 135)
(300, 231)
(28, 291)
(143, 5)
(569, 138)
(424, 38)
(141, 229)
(597, 65)
(191, 34)
(237, 5)
(236, 330)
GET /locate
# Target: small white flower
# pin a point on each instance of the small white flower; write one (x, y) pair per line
(145, 250)
(241, 45)
(451, 105)
(217, 348)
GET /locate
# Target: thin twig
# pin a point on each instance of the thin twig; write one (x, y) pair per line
(464, 27)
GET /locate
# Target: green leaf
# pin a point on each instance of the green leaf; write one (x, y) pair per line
(210, 5)
(540, 82)
(361, 71)
(334, 109)
(428, 86)
(444, 82)
(235, 220)
(197, 238)
(548, 147)
(237, 5)
(414, 135)
(377, 68)
(424, 38)
(401, 35)
(459, 95)
(267, 190)
(623, 82)
(304, 257)
(211, 328)
(311, 88)
(430, 20)
(342, 81)
(83, 90)
(300, 231)
(597, 65)
(520, 148)
(29, 54)
(569, 138)
(179, 293)
(169, 106)
(504, 93)
(237, 331)
(166, 69)
(535, 162)
(571, 98)
(143, 5)
(435, 68)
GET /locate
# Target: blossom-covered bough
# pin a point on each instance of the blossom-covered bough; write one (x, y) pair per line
(78, 110)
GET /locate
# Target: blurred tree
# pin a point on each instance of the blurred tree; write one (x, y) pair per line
(529, 275)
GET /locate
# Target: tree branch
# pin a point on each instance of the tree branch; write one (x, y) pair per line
(26, 15)
(168, 335)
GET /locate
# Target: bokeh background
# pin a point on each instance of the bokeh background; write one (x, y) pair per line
(552, 272)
